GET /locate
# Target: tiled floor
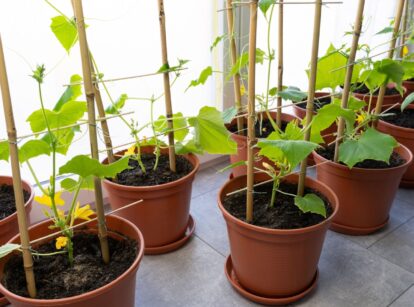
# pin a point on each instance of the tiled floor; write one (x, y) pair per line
(376, 270)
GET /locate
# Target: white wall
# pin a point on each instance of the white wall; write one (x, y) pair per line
(124, 38)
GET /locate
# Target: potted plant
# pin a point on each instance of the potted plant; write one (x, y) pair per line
(267, 262)
(71, 267)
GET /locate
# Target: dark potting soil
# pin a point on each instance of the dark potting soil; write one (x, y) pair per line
(163, 174)
(267, 128)
(363, 89)
(56, 278)
(402, 119)
(7, 201)
(395, 159)
(283, 215)
(411, 80)
(318, 103)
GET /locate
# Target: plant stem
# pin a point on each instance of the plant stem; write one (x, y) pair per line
(39, 185)
(157, 145)
(274, 189)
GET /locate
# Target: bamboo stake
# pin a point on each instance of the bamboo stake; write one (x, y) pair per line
(397, 23)
(17, 182)
(90, 97)
(311, 91)
(349, 71)
(280, 66)
(167, 87)
(101, 112)
(251, 138)
(404, 28)
(236, 77)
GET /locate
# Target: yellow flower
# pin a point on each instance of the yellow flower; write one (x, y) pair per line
(47, 200)
(405, 50)
(361, 118)
(242, 90)
(83, 213)
(61, 242)
(130, 151)
(61, 214)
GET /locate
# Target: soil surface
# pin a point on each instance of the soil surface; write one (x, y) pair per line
(395, 159)
(318, 103)
(404, 119)
(283, 215)
(411, 80)
(7, 201)
(163, 174)
(55, 278)
(362, 89)
(267, 128)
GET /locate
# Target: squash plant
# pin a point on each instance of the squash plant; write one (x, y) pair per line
(57, 128)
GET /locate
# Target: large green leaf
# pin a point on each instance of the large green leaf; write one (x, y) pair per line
(65, 31)
(32, 149)
(70, 184)
(210, 132)
(62, 137)
(326, 116)
(372, 145)
(118, 105)
(69, 114)
(393, 70)
(179, 122)
(85, 166)
(292, 93)
(408, 69)
(228, 115)
(331, 70)
(294, 151)
(243, 60)
(311, 203)
(207, 72)
(264, 5)
(189, 147)
(71, 93)
(4, 150)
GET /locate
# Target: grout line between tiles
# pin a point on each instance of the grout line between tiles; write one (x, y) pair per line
(209, 245)
(402, 293)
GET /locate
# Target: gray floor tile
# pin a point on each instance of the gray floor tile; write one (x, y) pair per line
(209, 179)
(406, 300)
(406, 195)
(350, 275)
(192, 276)
(398, 246)
(211, 227)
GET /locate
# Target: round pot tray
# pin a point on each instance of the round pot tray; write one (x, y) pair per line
(175, 245)
(273, 301)
(355, 231)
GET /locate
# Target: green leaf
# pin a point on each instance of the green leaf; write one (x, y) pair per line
(241, 62)
(326, 116)
(260, 55)
(373, 79)
(71, 93)
(8, 248)
(71, 185)
(393, 70)
(385, 30)
(164, 68)
(207, 72)
(331, 69)
(294, 151)
(65, 31)
(408, 69)
(189, 147)
(84, 166)
(217, 40)
(63, 137)
(372, 145)
(210, 133)
(228, 115)
(408, 100)
(233, 165)
(292, 93)
(69, 114)
(311, 203)
(179, 122)
(264, 5)
(32, 149)
(4, 151)
(118, 105)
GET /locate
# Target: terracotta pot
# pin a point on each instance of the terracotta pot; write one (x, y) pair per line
(241, 141)
(389, 100)
(404, 136)
(275, 263)
(365, 195)
(9, 226)
(409, 85)
(328, 134)
(119, 292)
(164, 215)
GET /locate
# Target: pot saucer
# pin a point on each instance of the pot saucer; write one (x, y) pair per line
(231, 276)
(355, 231)
(175, 245)
(407, 184)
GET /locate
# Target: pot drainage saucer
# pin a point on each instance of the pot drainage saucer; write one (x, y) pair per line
(3, 300)
(355, 231)
(408, 184)
(175, 245)
(231, 276)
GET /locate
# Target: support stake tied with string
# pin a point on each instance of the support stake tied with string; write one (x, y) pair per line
(17, 182)
(90, 98)
(167, 86)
